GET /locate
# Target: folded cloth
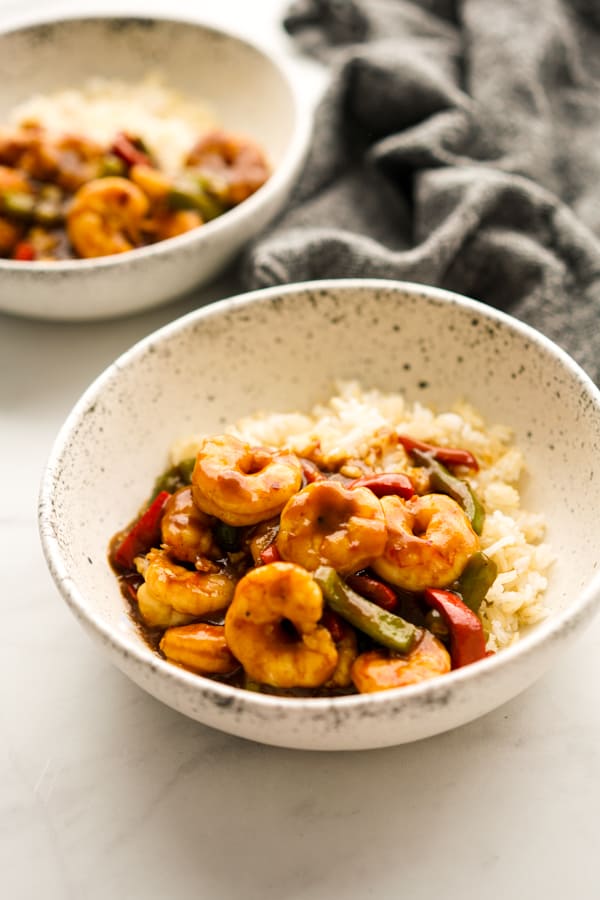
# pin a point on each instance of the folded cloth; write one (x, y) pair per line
(457, 144)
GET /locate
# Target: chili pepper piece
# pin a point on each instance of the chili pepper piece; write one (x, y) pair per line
(450, 456)
(333, 623)
(374, 590)
(385, 628)
(144, 534)
(24, 251)
(310, 471)
(386, 483)
(446, 483)
(467, 640)
(124, 147)
(476, 579)
(270, 554)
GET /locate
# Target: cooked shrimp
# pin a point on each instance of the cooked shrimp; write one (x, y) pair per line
(186, 530)
(201, 647)
(430, 540)
(154, 183)
(77, 159)
(105, 217)
(169, 585)
(272, 628)
(327, 524)
(242, 484)
(171, 223)
(380, 670)
(236, 161)
(157, 614)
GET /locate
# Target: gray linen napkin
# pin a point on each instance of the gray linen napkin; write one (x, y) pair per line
(458, 145)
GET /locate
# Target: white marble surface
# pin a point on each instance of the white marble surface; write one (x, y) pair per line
(105, 793)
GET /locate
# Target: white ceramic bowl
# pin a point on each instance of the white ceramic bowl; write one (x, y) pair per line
(248, 90)
(281, 349)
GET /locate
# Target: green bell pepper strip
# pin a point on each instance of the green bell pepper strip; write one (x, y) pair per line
(187, 192)
(476, 579)
(385, 628)
(228, 537)
(176, 477)
(445, 482)
(17, 205)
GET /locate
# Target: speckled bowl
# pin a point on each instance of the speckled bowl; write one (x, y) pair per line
(248, 90)
(281, 349)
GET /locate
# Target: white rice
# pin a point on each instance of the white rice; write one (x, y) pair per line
(167, 121)
(355, 429)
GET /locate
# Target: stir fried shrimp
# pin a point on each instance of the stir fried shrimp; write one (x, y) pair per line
(272, 627)
(157, 614)
(154, 183)
(186, 530)
(380, 670)
(106, 217)
(238, 163)
(171, 587)
(328, 524)
(242, 484)
(171, 223)
(429, 541)
(317, 565)
(65, 195)
(200, 647)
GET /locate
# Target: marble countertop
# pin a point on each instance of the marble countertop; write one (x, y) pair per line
(106, 793)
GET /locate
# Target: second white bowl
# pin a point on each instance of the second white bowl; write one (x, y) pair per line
(247, 89)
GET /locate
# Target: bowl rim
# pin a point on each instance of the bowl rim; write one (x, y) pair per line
(288, 164)
(437, 689)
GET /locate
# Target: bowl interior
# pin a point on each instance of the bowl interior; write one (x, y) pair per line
(282, 349)
(244, 88)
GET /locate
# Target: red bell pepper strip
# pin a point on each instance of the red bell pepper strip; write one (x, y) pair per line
(125, 149)
(24, 251)
(450, 456)
(270, 554)
(386, 483)
(143, 535)
(467, 640)
(373, 590)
